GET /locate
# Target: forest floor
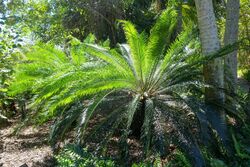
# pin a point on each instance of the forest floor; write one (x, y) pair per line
(31, 149)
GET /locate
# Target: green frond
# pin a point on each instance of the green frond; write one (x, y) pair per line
(40, 62)
(88, 114)
(90, 90)
(158, 140)
(113, 59)
(159, 38)
(137, 46)
(180, 45)
(65, 122)
(125, 53)
(131, 110)
(185, 138)
(46, 53)
(77, 52)
(146, 136)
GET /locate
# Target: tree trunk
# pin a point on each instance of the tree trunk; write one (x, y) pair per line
(230, 37)
(179, 25)
(213, 71)
(179, 18)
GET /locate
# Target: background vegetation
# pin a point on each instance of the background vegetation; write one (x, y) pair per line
(157, 73)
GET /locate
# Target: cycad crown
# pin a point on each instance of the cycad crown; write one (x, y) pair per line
(149, 76)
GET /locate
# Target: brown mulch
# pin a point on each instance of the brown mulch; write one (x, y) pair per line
(29, 148)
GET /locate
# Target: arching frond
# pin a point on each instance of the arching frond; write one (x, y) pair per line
(137, 44)
(159, 39)
(147, 135)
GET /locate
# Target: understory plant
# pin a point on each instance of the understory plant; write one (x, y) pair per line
(73, 155)
(10, 39)
(147, 89)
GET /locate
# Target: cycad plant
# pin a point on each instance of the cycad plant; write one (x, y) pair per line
(145, 87)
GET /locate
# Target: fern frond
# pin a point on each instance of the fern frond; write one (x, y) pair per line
(111, 57)
(159, 137)
(63, 124)
(178, 47)
(185, 138)
(137, 44)
(89, 112)
(146, 136)
(159, 38)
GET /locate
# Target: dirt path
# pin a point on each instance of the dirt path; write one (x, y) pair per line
(29, 149)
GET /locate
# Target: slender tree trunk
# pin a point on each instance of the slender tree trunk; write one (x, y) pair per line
(179, 17)
(230, 37)
(213, 71)
(179, 24)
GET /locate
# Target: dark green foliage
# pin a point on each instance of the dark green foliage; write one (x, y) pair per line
(75, 156)
(246, 74)
(179, 159)
(241, 151)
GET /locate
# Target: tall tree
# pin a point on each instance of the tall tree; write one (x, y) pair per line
(230, 37)
(214, 70)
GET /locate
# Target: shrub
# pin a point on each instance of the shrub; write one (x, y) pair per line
(10, 41)
(147, 88)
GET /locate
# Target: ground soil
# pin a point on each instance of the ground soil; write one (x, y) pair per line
(29, 149)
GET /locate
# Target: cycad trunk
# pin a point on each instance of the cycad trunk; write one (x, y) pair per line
(137, 123)
(230, 37)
